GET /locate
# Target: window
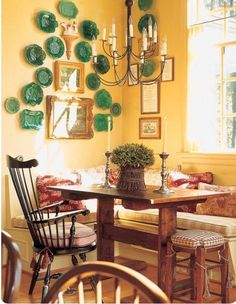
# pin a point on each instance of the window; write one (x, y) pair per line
(211, 76)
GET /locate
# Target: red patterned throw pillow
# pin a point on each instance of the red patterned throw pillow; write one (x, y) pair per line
(47, 197)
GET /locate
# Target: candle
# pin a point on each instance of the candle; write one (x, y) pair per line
(109, 133)
(110, 39)
(94, 50)
(113, 28)
(155, 33)
(144, 39)
(150, 27)
(115, 55)
(104, 32)
(114, 44)
(164, 134)
(164, 46)
(131, 27)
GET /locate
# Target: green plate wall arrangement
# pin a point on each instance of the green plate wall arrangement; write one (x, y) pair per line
(103, 65)
(46, 22)
(31, 119)
(55, 47)
(89, 29)
(32, 94)
(67, 9)
(92, 81)
(43, 77)
(143, 21)
(103, 99)
(12, 105)
(144, 5)
(83, 51)
(34, 54)
(101, 122)
(148, 68)
(115, 109)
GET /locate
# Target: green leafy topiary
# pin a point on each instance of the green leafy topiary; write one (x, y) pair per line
(132, 155)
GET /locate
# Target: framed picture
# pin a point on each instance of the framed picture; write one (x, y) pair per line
(69, 77)
(150, 97)
(150, 127)
(168, 71)
(69, 118)
(134, 70)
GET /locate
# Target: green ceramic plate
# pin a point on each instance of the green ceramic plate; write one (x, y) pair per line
(31, 119)
(44, 77)
(115, 109)
(34, 54)
(55, 47)
(32, 94)
(46, 21)
(103, 65)
(144, 4)
(67, 9)
(83, 51)
(101, 122)
(143, 22)
(148, 68)
(103, 99)
(12, 105)
(89, 29)
(92, 81)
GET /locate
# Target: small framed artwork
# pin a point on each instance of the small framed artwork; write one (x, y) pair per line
(134, 70)
(168, 71)
(150, 97)
(150, 128)
(69, 77)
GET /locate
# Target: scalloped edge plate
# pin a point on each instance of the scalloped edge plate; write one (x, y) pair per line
(51, 27)
(68, 9)
(98, 102)
(92, 77)
(60, 44)
(12, 105)
(115, 109)
(29, 49)
(35, 86)
(49, 75)
(84, 47)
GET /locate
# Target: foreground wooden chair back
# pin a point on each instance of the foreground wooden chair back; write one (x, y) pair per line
(13, 268)
(53, 233)
(117, 277)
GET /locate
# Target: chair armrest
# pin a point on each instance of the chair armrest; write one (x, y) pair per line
(58, 204)
(60, 217)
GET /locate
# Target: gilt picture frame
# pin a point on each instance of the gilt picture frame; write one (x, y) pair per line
(150, 128)
(69, 77)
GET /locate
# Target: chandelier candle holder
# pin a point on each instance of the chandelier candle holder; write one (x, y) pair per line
(148, 48)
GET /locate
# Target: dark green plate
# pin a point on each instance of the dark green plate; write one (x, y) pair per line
(143, 22)
(68, 9)
(55, 47)
(148, 68)
(31, 119)
(34, 54)
(44, 77)
(46, 21)
(101, 122)
(92, 81)
(144, 4)
(103, 99)
(12, 105)
(89, 29)
(32, 94)
(103, 65)
(115, 109)
(83, 51)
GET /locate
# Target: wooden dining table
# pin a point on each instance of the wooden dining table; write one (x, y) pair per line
(108, 231)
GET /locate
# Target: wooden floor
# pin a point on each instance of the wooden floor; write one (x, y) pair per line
(150, 272)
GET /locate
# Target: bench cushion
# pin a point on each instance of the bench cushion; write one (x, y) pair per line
(223, 225)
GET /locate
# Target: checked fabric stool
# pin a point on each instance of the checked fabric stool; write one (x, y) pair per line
(197, 244)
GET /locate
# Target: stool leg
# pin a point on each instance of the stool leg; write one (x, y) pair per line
(224, 274)
(170, 266)
(193, 275)
(200, 274)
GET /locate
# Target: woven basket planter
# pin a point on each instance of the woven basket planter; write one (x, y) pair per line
(131, 179)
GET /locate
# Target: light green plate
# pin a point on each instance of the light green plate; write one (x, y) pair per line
(148, 68)
(44, 77)
(144, 4)
(31, 119)
(68, 9)
(12, 105)
(55, 47)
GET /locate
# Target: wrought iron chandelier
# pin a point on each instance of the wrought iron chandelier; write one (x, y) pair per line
(149, 46)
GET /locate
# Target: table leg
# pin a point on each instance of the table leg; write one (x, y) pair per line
(105, 215)
(167, 226)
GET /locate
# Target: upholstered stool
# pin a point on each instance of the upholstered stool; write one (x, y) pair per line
(197, 243)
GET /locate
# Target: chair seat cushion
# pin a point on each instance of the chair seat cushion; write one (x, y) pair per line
(197, 238)
(84, 235)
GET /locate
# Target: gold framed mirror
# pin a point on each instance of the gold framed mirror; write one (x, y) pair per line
(69, 118)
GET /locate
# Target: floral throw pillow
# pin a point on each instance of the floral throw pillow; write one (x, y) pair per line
(222, 206)
(47, 197)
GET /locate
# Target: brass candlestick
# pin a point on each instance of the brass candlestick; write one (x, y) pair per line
(107, 184)
(164, 189)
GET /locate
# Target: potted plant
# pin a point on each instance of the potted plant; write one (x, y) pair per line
(131, 160)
